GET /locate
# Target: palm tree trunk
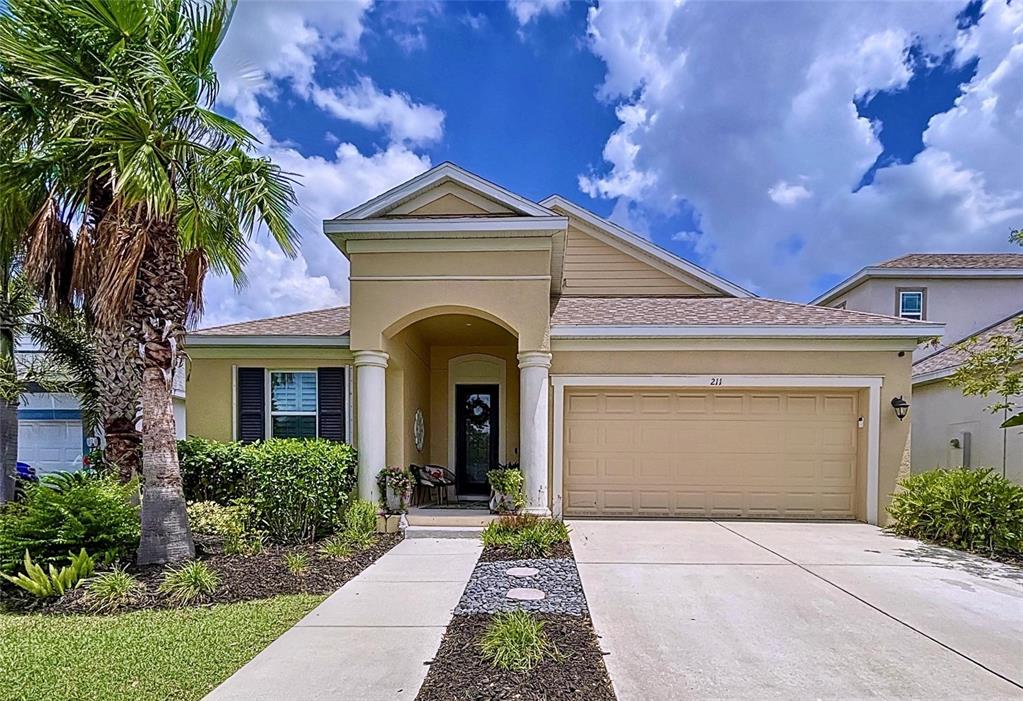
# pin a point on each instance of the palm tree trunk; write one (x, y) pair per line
(166, 536)
(8, 449)
(118, 380)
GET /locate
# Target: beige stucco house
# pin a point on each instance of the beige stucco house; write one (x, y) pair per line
(976, 295)
(485, 328)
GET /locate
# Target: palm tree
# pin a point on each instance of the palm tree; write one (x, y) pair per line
(163, 188)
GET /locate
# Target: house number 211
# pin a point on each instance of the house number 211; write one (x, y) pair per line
(715, 382)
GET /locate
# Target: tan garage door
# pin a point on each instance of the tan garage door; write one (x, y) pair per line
(781, 453)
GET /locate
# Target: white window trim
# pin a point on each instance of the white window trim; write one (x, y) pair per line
(915, 316)
(270, 413)
(871, 383)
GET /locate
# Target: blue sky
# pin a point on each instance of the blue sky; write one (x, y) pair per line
(781, 145)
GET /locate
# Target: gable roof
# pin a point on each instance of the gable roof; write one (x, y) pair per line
(446, 172)
(728, 316)
(638, 245)
(944, 362)
(967, 261)
(952, 265)
(319, 327)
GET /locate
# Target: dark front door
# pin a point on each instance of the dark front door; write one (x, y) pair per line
(476, 428)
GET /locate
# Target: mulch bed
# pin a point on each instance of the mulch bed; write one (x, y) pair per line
(560, 551)
(242, 578)
(459, 671)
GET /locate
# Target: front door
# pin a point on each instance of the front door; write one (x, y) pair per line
(476, 436)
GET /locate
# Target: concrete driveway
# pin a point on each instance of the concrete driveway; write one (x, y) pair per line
(727, 609)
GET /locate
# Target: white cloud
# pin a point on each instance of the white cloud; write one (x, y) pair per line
(526, 11)
(284, 43)
(787, 194)
(720, 103)
(394, 112)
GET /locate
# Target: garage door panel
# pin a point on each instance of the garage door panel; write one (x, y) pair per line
(772, 453)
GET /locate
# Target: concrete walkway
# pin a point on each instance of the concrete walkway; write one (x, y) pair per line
(370, 639)
(705, 609)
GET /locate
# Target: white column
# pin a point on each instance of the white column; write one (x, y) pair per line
(370, 407)
(534, 369)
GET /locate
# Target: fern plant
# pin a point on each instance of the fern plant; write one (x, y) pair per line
(51, 582)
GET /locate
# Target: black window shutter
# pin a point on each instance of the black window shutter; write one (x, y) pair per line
(251, 404)
(330, 385)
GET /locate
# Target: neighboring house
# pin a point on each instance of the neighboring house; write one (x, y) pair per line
(974, 295)
(486, 328)
(50, 433)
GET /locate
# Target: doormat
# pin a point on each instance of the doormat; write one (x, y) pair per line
(477, 505)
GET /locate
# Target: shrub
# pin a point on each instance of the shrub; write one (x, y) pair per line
(193, 581)
(53, 582)
(516, 641)
(297, 563)
(108, 591)
(361, 518)
(336, 547)
(214, 471)
(231, 524)
(70, 512)
(507, 482)
(969, 509)
(525, 535)
(300, 488)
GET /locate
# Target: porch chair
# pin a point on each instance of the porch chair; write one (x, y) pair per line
(427, 483)
(447, 478)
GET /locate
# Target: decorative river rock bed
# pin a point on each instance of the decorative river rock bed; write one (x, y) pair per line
(492, 588)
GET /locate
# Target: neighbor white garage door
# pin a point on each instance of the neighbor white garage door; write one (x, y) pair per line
(50, 445)
(657, 452)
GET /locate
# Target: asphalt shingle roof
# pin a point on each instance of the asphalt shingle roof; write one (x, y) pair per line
(956, 260)
(694, 311)
(953, 356)
(321, 322)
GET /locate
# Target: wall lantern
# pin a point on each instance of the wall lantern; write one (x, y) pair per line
(901, 407)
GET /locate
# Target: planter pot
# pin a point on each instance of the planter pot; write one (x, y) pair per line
(397, 503)
(501, 503)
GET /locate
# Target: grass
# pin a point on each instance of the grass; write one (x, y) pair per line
(526, 536)
(179, 654)
(516, 641)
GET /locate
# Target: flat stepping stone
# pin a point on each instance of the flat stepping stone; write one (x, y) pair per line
(525, 595)
(522, 572)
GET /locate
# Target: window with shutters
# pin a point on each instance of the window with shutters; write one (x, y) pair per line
(293, 404)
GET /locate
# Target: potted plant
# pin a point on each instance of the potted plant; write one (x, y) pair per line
(396, 485)
(506, 483)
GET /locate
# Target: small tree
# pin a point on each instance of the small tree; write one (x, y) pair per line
(996, 369)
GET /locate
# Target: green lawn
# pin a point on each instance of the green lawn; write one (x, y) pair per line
(142, 656)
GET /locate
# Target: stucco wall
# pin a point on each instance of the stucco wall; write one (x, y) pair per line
(964, 305)
(941, 413)
(209, 384)
(894, 371)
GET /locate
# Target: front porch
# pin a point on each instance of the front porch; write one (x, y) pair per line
(452, 389)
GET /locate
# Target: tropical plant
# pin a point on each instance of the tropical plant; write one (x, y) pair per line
(296, 562)
(396, 485)
(507, 484)
(231, 525)
(68, 512)
(299, 488)
(964, 508)
(525, 535)
(336, 547)
(105, 107)
(53, 582)
(110, 590)
(516, 641)
(361, 517)
(191, 582)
